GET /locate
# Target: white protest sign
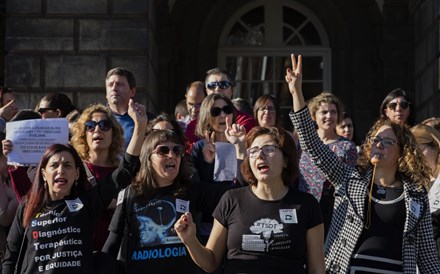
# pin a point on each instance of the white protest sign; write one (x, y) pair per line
(31, 138)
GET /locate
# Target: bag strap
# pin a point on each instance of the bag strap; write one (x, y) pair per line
(20, 258)
(90, 177)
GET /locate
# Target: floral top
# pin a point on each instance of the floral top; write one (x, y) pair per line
(312, 180)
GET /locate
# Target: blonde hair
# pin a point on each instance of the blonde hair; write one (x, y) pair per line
(411, 163)
(425, 134)
(328, 98)
(204, 123)
(79, 139)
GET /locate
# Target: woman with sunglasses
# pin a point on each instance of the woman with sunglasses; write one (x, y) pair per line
(167, 121)
(52, 230)
(55, 105)
(267, 227)
(397, 107)
(142, 226)
(98, 138)
(215, 124)
(381, 220)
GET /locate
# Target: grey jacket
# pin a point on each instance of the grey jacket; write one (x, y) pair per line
(351, 190)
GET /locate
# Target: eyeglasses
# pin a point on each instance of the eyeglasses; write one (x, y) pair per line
(403, 105)
(44, 110)
(164, 151)
(220, 85)
(215, 111)
(268, 150)
(269, 109)
(385, 142)
(104, 125)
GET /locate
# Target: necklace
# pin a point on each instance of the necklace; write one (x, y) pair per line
(382, 189)
(387, 202)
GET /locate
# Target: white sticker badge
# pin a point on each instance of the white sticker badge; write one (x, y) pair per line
(74, 205)
(288, 216)
(120, 197)
(182, 206)
(415, 208)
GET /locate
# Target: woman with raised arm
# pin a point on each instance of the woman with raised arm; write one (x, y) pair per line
(268, 226)
(141, 230)
(52, 230)
(381, 220)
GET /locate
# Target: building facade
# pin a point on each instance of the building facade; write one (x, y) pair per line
(359, 50)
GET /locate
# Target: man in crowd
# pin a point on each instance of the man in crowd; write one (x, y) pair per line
(120, 86)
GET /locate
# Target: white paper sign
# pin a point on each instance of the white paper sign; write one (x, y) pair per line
(31, 138)
(225, 165)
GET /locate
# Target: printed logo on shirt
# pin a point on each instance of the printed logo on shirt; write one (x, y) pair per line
(155, 221)
(288, 216)
(74, 205)
(268, 236)
(182, 206)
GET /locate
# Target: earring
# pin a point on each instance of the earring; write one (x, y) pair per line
(45, 184)
(76, 183)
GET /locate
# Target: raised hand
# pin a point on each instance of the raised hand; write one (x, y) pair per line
(9, 110)
(294, 79)
(185, 228)
(7, 146)
(140, 118)
(137, 112)
(235, 133)
(294, 74)
(209, 148)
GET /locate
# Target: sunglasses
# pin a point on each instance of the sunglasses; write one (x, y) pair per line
(104, 125)
(215, 111)
(164, 151)
(403, 105)
(220, 85)
(44, 110)
(385, 142)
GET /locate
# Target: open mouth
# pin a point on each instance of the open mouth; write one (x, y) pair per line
(98, 138)
(60, 181)
(170, 166)
(262, 167)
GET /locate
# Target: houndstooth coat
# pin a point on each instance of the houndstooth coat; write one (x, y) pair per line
(351, 190)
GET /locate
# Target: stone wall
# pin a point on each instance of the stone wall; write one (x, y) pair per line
(69, 45)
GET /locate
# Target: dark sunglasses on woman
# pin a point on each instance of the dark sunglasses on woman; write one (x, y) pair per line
(164, 151)
(403, 105)
(104, 125)
(216, 111)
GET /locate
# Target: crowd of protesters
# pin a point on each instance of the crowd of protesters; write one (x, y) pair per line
(221, 186)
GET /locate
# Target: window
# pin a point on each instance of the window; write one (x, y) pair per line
(256, 44)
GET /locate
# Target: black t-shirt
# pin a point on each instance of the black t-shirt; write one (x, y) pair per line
(379, 247)
(152, 242)
(59, 238)
(267, 236)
